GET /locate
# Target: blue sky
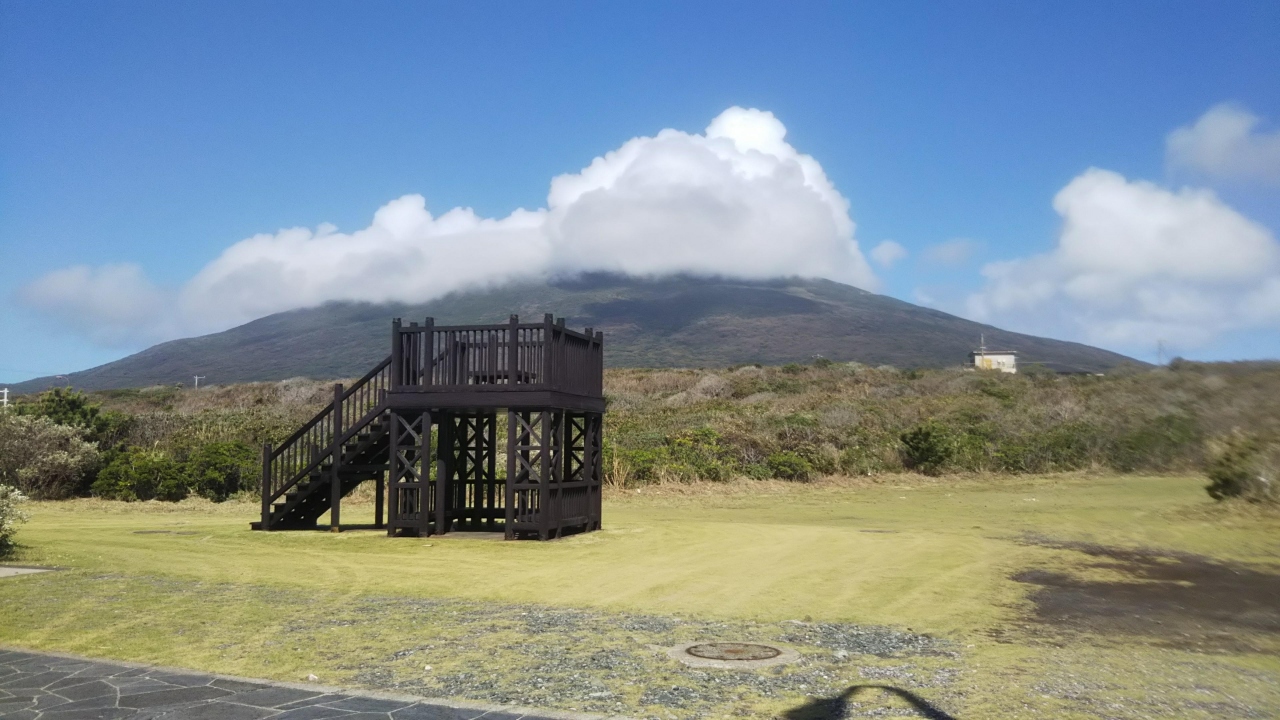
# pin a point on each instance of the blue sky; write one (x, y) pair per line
(160, 134)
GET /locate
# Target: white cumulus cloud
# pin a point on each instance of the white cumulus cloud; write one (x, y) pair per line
(737, 200)
(1135, 263)
(1227, 143)
(887, 253)
(105, 303)
(405, 254)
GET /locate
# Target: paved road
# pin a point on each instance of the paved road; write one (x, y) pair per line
(39, 686)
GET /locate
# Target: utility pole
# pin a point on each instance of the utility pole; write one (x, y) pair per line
(1160, 352)
(4, 398)
(198, 379)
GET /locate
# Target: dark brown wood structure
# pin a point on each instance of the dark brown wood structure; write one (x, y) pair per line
(424, 424)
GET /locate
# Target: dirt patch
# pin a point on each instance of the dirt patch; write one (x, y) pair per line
(1178, 600)
(16, 570)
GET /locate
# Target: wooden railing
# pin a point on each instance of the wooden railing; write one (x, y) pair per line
(323, 436)
(511, 356)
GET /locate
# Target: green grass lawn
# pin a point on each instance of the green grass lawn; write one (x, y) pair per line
(931, 558)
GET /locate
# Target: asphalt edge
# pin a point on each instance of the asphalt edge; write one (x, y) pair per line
(332, 689)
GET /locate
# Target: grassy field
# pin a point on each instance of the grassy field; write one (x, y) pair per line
(961, 590)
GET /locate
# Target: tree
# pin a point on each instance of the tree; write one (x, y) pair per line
(65, 406)
(220, 469)
(137, 474)
(45, 460)
(10, 515)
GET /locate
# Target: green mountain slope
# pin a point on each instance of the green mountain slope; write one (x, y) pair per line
(670, 322)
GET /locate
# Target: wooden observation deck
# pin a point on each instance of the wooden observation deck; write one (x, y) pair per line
(423, 424)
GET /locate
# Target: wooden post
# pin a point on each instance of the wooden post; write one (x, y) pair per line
(513, 351)
(509, 489)
(597, 467)
(429, 346)
(424, 474)
(545, 470)
(266, 486)
(335, 463)
(444, 449)
(598, 367)
(548, 333)
(394, 473)
(491, 470)
(397, 355)
(378, 501)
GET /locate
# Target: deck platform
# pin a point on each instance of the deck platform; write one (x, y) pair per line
(424, 424)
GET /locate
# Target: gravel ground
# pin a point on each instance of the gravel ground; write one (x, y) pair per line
(617, 662)
(612, 662)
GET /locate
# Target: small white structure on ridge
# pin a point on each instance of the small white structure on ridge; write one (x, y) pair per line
(1002, 360)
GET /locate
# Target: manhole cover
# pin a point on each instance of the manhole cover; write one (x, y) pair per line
(733, 651)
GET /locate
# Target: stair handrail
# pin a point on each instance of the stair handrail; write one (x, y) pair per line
(360, 404)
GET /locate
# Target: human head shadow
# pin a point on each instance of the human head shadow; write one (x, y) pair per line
(835, 708)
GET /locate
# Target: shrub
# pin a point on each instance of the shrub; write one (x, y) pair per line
(137, 474)
(1242, 467)
(218, 470)
(10, 515)
(698, 453)
(1066, 446)
(790, 466)
(65, 406)
(636, 465)
(928, 448)
(43, 459)
(1160, 443)
(862, 458)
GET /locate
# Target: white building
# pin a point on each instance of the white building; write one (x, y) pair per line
(1002, 360)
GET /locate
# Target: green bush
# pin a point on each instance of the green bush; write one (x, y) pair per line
(1164, 442)
(137, 474)
(10, 515)
(65, 406)
(1242, 467)
(698, 454)
(788, 465)
(927, 448)
(43, 459)
(1066, 446)
(635, 465)
(859, 422)
(218, 470)
(862, 458)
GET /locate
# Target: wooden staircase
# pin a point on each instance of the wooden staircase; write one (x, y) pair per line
(344, 445)
(424, 425)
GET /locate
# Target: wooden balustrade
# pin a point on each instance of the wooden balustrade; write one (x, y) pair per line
(510, 356)
(315, 442)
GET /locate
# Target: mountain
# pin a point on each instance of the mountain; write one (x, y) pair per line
(671, 322)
